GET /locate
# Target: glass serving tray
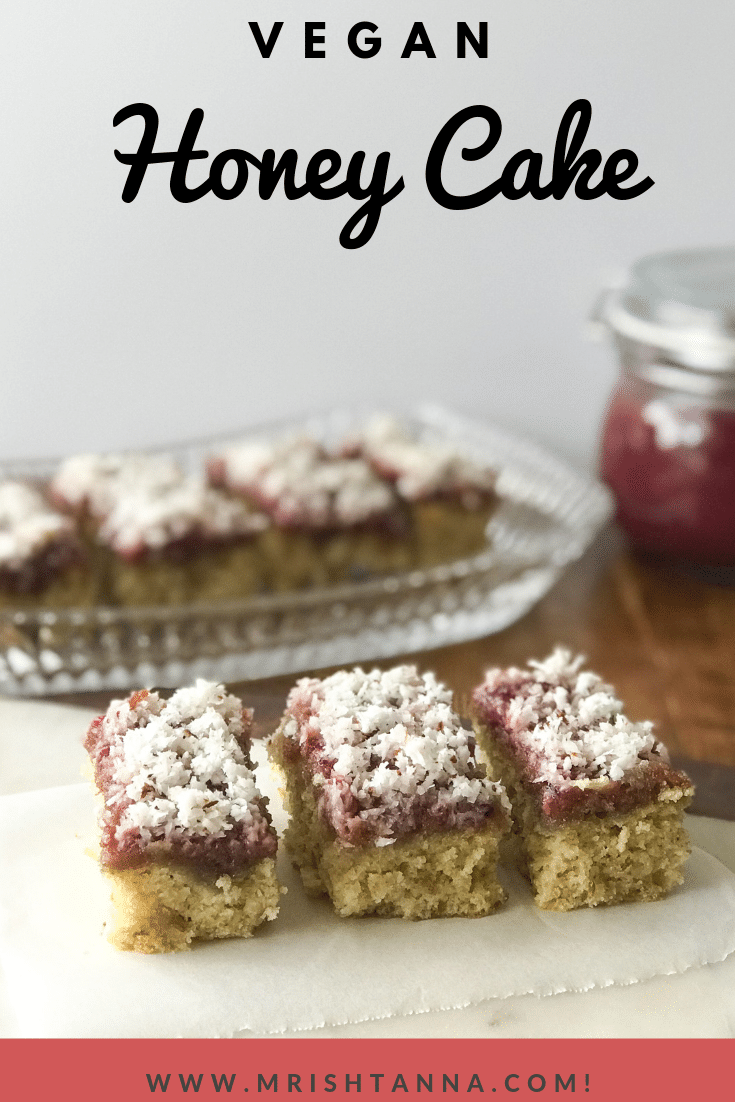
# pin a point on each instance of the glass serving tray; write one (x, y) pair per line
(548, 515)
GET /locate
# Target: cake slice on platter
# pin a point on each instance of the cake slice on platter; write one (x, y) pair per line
(333, 519)
(450, 497)
(159, 536)
(42, 561)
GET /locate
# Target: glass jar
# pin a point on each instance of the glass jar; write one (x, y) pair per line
(668, 440)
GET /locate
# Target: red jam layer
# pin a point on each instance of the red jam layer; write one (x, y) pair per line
(356, 823)
(45, 567)
(564, 801)
(210, 855)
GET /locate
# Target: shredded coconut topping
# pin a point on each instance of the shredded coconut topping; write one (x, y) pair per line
(98, 482)
(423, 468)
(382, 742)
(27, 524)
(147, 502)
(570, 721)
(152, 516)
(299, 483)
(177, 766)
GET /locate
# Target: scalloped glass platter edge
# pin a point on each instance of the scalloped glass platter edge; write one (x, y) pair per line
(548, 515)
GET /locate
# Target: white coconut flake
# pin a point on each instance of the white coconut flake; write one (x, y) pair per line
(571, 720)
(391, 735)
(300, 483)
(153, 516)
(27, 524)
(147, 502)
(98, 482)
(423, 468)
(180, 763)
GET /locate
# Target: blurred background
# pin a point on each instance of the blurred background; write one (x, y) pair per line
(128, 325)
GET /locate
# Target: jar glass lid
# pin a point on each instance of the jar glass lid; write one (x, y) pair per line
(681, 303)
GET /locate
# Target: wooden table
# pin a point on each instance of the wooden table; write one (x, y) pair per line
(664, 639)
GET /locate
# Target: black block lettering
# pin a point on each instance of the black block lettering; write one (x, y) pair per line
(312, 39)
(265, 45)
(465, 36)
(370, 47)
(418, 41)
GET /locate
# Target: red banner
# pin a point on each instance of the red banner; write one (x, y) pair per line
(138, 1071)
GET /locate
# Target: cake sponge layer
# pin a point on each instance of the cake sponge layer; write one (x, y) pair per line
(162, 908)
(612, 858)
(421, 876)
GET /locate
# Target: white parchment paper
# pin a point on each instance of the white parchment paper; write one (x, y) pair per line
(308, 968)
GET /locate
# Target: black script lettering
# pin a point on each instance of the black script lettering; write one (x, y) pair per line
(270, 174)
(567, 162)
(521, 175)
(371, 45)
(439, 149)
(377, 197)
(186, 153)
(530, 184)
(240, 158)
(144, 154)
(323, 166)
(315, 175)
(612, 177)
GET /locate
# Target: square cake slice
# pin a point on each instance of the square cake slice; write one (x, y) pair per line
(389, 811)
(42, 562)
(160, 536)
(186, 838)
(181, 543)
(450, 497)
(597, 807)
(333, 519)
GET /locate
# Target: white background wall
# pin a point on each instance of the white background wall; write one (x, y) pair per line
(128, 324)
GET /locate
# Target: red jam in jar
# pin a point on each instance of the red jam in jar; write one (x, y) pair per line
(668, 440)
